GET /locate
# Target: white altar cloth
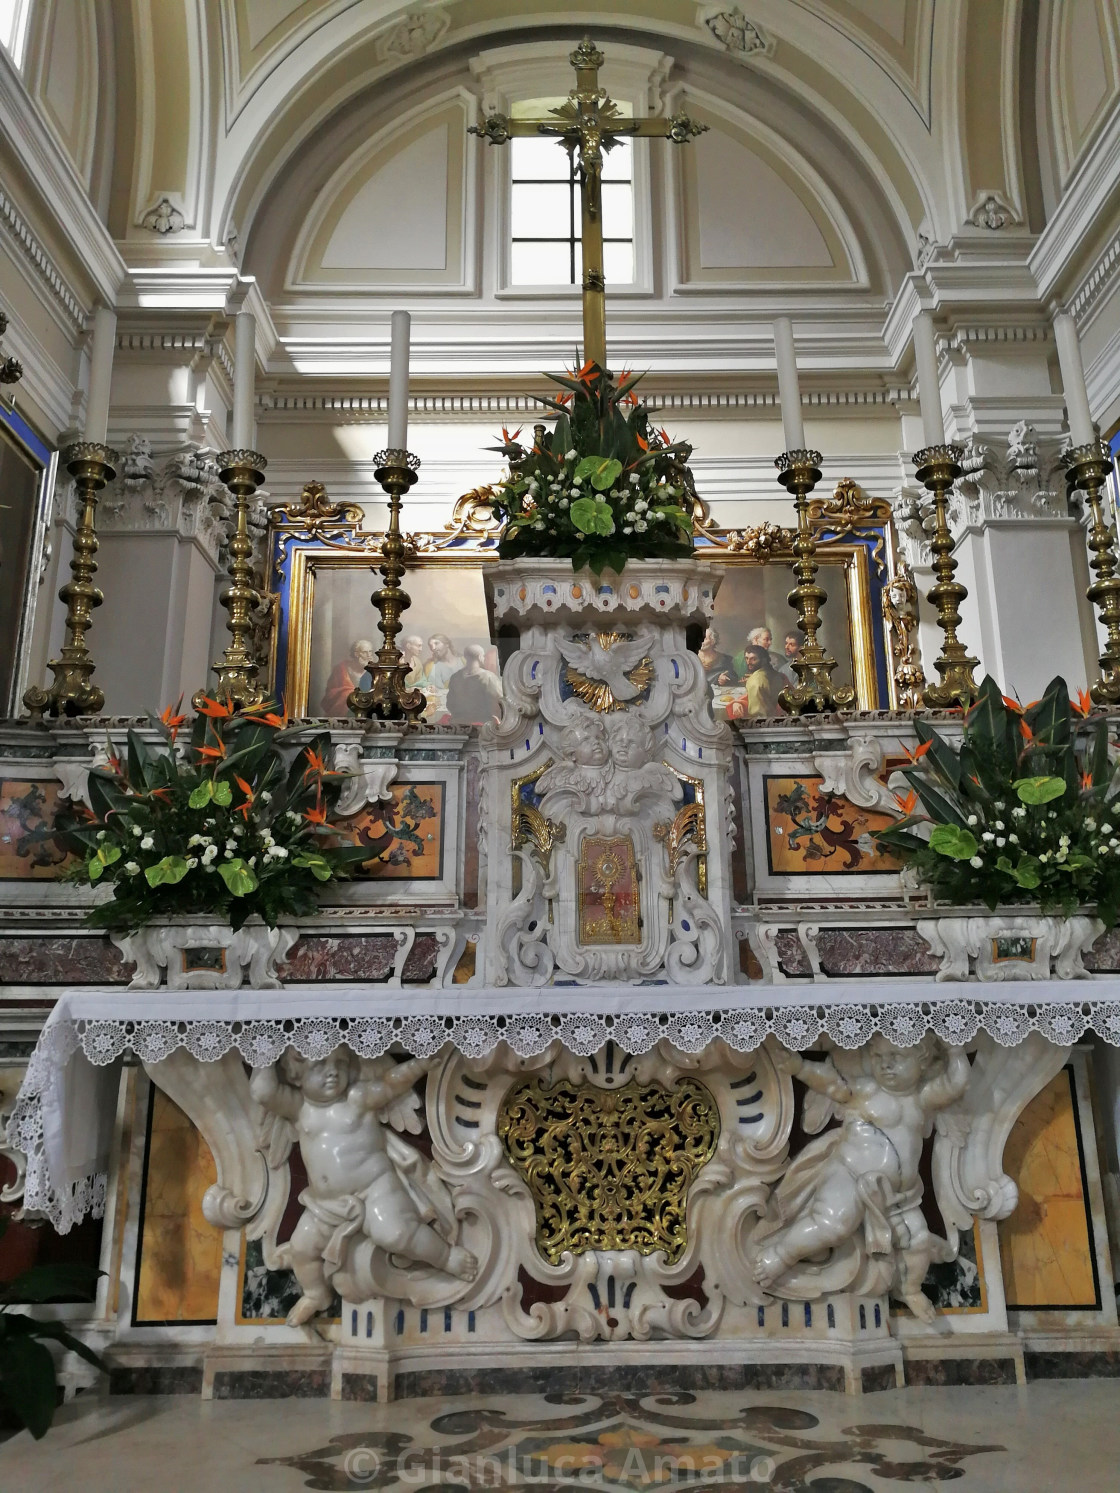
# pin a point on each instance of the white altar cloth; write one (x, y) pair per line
(63, 1115)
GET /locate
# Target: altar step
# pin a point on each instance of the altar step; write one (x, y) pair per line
(266, 1371)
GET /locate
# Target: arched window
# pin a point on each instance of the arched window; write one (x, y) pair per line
(14, 15)
(545, 246)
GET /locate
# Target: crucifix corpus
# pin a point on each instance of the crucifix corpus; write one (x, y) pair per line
(586, 125)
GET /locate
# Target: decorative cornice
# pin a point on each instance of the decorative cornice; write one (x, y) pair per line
(1087, 200)
(44, 266)
(376, 406)
(1097, 281)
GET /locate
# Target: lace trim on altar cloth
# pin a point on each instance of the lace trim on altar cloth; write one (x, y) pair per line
(850, 1024)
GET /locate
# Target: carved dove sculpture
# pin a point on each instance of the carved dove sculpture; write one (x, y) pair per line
(610, 662)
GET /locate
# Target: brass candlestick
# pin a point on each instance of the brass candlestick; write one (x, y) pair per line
(91, 465)
(242, 472)
(388, 697)
(799, 473)
(1087, 468)
(938, 467)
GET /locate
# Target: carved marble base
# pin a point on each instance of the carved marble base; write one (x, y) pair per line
(186, 955)
(1010, 945)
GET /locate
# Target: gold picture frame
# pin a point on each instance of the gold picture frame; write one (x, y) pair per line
(316, 539)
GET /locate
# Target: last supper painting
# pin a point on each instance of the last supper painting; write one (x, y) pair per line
(559, 745)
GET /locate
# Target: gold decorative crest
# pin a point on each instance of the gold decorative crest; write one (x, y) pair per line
(609, 1168)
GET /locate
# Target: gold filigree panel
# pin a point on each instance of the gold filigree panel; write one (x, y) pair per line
(609, 1168)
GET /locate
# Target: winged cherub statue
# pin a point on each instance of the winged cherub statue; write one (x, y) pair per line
(847, 1215)
(360, 1178)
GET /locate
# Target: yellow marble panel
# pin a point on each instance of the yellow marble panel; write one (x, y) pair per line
(180, 1262)
(1046, 1246)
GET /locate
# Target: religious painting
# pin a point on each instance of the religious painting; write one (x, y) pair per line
(1046, 1246)
(28, 849)
(810, 831)
(26, 477)
(608, 891)
(445, 639)
(404, 836)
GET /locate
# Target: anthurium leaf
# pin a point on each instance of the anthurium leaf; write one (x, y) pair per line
(222, 793)
(201, 795)
(238, 876)
(27, 1382)
(1028, 873)
(602, 471)
(952, 841)
(590, 517)
(1039, 790)
(318, 865)
(167, 872)
(103, 857)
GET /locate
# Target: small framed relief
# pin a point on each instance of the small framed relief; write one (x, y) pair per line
(27, 477)
(323, 573)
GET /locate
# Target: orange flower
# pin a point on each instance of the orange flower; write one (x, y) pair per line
(1086, 780)
(1012, 704)
(909, 803)
(1028, 734)
(213, 752)
(172, 719)
(665, 436)
(215, 709)
(509, 439)
(918, 752)
(317, 815)
(587, 373)
(315, 763)
(1084, 702)
(563, 399)
(247, 789)
(644, 445)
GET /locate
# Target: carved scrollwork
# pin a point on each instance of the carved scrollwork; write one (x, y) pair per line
(313, 510)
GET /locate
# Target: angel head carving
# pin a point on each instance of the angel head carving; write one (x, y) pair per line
(631, 742)
(585, 742)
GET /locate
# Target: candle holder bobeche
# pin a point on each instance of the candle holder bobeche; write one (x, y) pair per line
(799, 472)
(92, 465)
(389, 697)
(938, 467)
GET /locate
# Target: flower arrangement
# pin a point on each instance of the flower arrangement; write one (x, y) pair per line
(235, 826)
(603, 487)
(1027, 809)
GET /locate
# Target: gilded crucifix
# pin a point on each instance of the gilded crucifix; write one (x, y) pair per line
(587, 124)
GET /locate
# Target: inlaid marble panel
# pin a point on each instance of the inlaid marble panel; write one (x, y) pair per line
(62, 960)
(180, 1262)
(28, 849)
(404, 836)
(1046, 1246)
(810, 831)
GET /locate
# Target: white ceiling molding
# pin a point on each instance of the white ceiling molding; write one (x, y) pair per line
(1087, 210)
(58, 183)
(734, 33)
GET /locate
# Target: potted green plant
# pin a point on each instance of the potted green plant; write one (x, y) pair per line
(234, 826)
(1024, 812)
(603, 487)
(28, 1377)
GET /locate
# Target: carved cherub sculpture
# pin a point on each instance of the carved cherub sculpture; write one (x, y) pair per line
(847, 1214)
(358, 1180)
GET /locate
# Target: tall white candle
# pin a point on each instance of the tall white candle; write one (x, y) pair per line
(244, 379)
(398, 383)
(929, 380)
(789, 391)
(1080, 415)
(101, 353)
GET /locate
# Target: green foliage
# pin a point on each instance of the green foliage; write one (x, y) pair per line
(233, 825)
(1026, 809)
(603, 487)
(28, 1387)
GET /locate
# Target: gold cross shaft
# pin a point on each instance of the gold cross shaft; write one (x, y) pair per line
(586, 125)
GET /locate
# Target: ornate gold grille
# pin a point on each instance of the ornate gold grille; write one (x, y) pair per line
(609, 1168)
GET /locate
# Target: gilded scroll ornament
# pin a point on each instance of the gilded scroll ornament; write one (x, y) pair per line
(609, 1169)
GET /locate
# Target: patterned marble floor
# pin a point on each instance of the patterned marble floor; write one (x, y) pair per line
(990, 1440)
